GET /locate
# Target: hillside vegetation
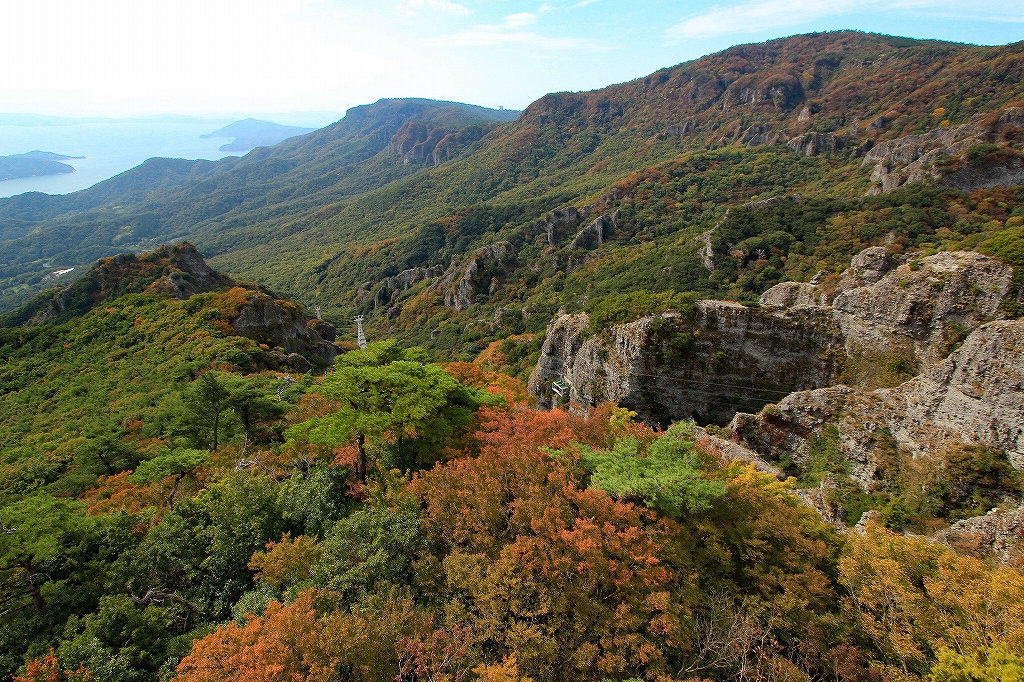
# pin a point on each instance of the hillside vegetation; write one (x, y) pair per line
(173, 509)
(364, 199)
(202, 481)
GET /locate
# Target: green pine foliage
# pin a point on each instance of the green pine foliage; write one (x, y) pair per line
(667, 477)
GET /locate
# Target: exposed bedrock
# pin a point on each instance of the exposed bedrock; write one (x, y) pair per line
(973, 397)
(928, 156)
(707, 366)
(726, 358)
(283, 324)
(479, 273)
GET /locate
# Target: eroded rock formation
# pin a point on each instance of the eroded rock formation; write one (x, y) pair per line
(480, 272)
(724, 356)
(973, 397)
(282, 324)
(927, 156)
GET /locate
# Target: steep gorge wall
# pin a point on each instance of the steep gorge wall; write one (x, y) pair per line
(707, 366)
(973, 397)
(725, 357)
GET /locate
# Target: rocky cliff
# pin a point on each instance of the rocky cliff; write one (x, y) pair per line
(725, 357)
(968, 156)
(479, 273)
(283, 326)
(705, 366)
(973, 397)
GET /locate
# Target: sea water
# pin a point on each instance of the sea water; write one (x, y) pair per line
(109, 146)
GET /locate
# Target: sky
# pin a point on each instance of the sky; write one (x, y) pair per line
(243, 57)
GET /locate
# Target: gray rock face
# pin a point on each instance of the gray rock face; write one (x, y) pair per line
(812, 144)
(761, 134)
(594, 234)
(326, 331)
(734, 452)
(997, 536)
(920, 303)
(968, 178)
(279, 323)
(871, 264)
(912, 158)
(791, 294)
(671, 367)
(877, 123)
(461, 280)
(975, 396)
(387, 290)
(726, 355)
(192, 274)
(558, 221)
(680, 128)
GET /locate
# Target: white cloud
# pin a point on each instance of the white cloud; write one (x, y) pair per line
(410, 8)
(514, 21)
(758, 16)
(509, 32)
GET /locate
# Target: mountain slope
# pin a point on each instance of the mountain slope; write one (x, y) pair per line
(363, 200)
(164, 199)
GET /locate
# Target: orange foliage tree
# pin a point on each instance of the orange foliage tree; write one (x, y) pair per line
(48, 669)
(307, 641)
(571, 583)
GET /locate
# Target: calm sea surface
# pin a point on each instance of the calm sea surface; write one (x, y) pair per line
(109, 148)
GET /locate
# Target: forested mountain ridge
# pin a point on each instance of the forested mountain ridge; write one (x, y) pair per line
(835, 94)
(164, 199)
(199, 481)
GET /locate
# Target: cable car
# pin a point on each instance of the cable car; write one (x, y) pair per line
(560, 388)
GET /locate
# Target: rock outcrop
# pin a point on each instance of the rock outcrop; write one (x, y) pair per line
(479, 273)
(557, 222)
(420, 142)
(928, 156)
(928, 303)
(176, 270)
(710, 364)
(812, 144)
(189, 273)
(973, 397)
(388, 289)
(594, 234)
(671, 366)
(282, 324)
(763, 133)
(997, 536)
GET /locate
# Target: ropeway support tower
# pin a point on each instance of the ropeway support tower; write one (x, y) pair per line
(360, 336)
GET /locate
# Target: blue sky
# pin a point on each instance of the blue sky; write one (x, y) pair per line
(131, 57)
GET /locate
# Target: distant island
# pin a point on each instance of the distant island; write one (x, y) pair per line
(251, 133)
(34, 164)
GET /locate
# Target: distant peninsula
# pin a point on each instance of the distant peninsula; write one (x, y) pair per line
(34, 164)
(251, 133)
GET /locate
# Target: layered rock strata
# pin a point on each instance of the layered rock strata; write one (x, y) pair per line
(973, 397)
(725, 357)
